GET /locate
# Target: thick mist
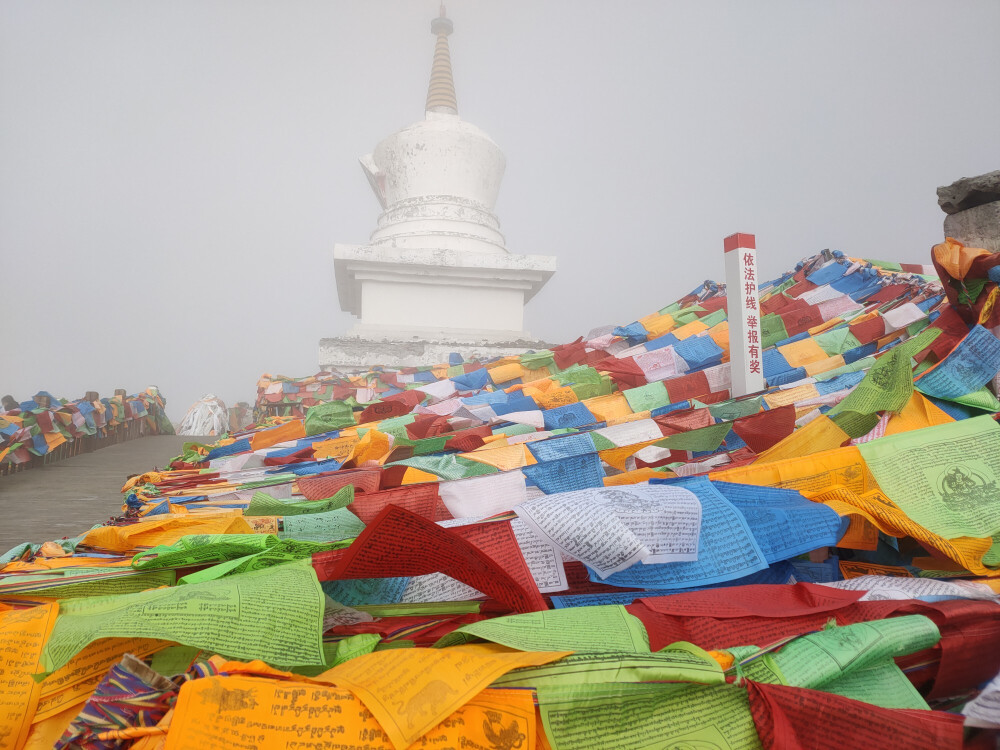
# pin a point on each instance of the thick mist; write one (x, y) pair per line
(173, 175)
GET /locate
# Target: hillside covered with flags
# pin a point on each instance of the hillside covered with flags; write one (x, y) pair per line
(592, 546)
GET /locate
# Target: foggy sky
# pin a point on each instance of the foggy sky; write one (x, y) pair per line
(173, 175)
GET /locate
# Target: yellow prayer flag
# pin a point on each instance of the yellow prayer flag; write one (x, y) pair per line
(54, 439)
(774, 399)
(503, 458)
(820, 434)
(622, 419)
(825, 326)
(657, 324)
(800, 353)
(690, 329)
(555, 397)
(617, 457)
(608, 407)
(505, 372)
(812, 474)
(338, 447)
(824, 365)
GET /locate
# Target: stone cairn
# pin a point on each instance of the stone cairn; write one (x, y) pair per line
(973, 208)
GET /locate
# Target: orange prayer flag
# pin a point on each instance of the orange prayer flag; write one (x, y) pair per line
(22, 634)
(219, 713)
(618, 457)
(955, 257)
(917, 413)
(857, 568)
(165, 530)
(338, 447)
(418, 476)
(45, 733)
(719, 333)
(636, 477)
(860, 534)
(288, 431)
(370, 449)
(412, 690)
(76, 680)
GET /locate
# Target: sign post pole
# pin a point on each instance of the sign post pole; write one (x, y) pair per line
(745, 335)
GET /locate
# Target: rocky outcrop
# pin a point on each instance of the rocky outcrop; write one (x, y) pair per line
(973, 208)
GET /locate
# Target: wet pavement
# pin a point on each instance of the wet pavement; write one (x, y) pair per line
(68, 497)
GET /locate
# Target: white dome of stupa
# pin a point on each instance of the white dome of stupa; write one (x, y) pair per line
(438, 179)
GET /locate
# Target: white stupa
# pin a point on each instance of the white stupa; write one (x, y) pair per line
(436, 276)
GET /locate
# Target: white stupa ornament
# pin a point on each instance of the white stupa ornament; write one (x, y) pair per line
(436, 268)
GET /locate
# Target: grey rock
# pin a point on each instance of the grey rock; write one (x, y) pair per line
(976, 227)
(969, 192)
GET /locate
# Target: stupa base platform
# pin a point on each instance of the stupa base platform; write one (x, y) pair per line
(353, 354)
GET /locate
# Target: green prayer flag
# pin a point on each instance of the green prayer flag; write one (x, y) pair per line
(448, 466)
(703, 439)
(284, 551)
(627, 715)
(274, 614)
(582, 629)
(329, 416)
(772, 330)
(888, 386)
(734, 409)
(816, 659)
(202, 549)
(946, 478)
(647, 397)
(679, 662)
(331, 526)
(262, 504)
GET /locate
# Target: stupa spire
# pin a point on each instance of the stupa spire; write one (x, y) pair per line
(441, 91)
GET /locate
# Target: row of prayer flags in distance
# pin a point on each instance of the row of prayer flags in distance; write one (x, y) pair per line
(42, 423)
